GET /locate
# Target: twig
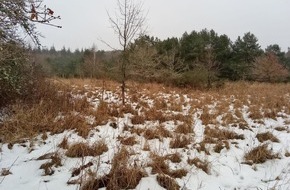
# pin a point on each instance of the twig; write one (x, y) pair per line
(9, 168)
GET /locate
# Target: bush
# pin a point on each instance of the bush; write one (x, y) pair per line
(195, 78)
(19, 78)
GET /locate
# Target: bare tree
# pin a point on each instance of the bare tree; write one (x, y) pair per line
(21, 15)
(267, 68)
(128, 24)
(210, 64)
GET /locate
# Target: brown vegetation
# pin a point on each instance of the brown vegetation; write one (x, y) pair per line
(204, 165)
(160, 166)
(129, 141)
(184, 128)
(121, 176)
(259, 154)
(167, 182)
(213, 135)
(180, 141)
(49, 166)
(83, 149)
(262, 137)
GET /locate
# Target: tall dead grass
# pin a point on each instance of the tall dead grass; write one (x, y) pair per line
(121, 176)
(259, 154)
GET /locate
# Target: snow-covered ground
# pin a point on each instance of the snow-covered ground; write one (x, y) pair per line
(21, 163)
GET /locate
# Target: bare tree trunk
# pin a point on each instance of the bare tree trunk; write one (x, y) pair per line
(128, 25)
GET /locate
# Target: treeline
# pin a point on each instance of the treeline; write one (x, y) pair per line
(197, 59)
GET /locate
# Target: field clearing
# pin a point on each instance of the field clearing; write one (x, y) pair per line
(235, 137)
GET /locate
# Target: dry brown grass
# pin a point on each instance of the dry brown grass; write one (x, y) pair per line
(159, 166)
(120, 176)
(5, 172)
(202, 147)
(184, 129)
(64, 143)
(102, 114)
(208, 118)
(83, 149)
(137, 130)
(180, 141)
(203, 165)
(167, 182)
(175, 106)
(259, 154)
(228, 119)
(175, 158)
(150, 134)
(163, 132)
(138, 119)
(255, 112)
(38, 116)
(146, 146)
(50, 166)
(155, 115)
(128, 109)
(156, 133)
(72, 121)
(262, 137)
(213, 135)
(221, 145)
(26, 122)
(160, 104)
(280, 128)
(129, 141)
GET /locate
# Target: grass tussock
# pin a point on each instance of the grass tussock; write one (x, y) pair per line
(184, 129)
(175, 158)
(64, 143)
(102, 114)
(267, 136)
(201, 147)
(167, 182)
(49, 167)
(180, 141)
(73, 121)
(129, 141)
(208, 118)
(203, 165)
(157, 133)
(155, 115)
(259, 154)
(159, 166)
(280, 128)
(213, 135)
(128, 109)
(163, 132)
(137, 119)
(221, 145)
(121, 176)
(83, 149)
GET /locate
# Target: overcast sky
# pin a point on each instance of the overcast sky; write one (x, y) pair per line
(84, 22)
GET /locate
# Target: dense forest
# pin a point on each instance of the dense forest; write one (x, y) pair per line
(197, 59)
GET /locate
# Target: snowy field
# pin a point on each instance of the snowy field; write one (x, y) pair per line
(174, 140)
